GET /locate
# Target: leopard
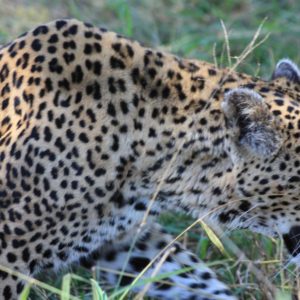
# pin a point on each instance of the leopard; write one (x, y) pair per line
(100, 135)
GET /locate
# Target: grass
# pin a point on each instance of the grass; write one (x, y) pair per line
(191, 29)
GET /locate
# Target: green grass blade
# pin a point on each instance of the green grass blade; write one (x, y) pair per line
(98, 293)
(203, 247)
(25, 293)
(66, 287)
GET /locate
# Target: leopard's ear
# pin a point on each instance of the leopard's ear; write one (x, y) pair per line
(253, 124)
(287, 69)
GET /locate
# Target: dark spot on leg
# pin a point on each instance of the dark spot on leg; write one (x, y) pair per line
(139, 263)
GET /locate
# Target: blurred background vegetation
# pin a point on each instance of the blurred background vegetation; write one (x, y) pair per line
(190, 29)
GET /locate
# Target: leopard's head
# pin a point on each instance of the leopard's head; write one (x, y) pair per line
(263, 142)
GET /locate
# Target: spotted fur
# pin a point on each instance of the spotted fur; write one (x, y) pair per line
(93, 125)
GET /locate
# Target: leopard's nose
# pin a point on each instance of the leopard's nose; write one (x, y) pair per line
(292, 240)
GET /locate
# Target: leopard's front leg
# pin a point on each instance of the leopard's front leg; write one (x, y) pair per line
(198, 283)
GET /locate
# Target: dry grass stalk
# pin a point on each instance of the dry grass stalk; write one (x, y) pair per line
(226, 43)
(143, 292)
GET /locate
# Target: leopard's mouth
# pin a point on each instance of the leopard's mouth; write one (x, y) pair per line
(292, 241)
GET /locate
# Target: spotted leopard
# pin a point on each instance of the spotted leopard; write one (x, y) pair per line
(98, 131)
